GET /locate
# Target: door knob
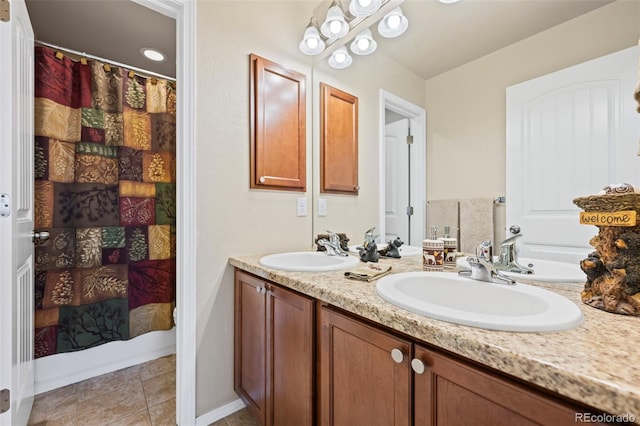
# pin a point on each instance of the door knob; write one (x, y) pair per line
(39, 236)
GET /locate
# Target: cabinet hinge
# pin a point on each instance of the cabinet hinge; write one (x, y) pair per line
(5, 400)
(409, 139)
(409, 211)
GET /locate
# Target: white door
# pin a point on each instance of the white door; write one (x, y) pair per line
(569, 134)
(396, 181)
(16, 219)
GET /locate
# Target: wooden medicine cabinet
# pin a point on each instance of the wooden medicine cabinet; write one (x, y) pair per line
(278, 131)
(338, 141)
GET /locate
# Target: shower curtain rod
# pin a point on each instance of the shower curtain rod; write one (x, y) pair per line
(109, 61)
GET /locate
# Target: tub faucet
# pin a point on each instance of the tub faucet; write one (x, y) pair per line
(508, 258)
(332, 245)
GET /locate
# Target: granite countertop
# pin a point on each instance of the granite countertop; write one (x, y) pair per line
(596, 363)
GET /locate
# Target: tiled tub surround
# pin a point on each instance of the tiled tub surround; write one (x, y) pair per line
(596, 363)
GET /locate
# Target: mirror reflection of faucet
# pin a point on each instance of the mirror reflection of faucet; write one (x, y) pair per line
(332, 245)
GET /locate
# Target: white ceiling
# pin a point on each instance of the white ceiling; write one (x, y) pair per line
(112, 29)
(440, 36)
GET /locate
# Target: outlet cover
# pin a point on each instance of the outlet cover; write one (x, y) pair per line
(322, 206)
(301, 206)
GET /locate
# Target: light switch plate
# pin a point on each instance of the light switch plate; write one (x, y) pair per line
(301, 206)
(322, 206)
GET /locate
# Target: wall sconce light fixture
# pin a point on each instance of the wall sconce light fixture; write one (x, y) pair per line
(364, 7)
(364, 43)
(393, 24)
(312, 43)
(335, 25)
(338, 24)
(340, 58)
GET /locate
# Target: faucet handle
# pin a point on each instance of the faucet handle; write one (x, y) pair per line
(511, 239)
(485, 251)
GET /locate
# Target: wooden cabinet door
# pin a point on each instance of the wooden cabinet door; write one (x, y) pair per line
(274, 351)
(451, 392)
(291, 357)
(338, 141)
(250, 363)
(360, 383)
(278, 127)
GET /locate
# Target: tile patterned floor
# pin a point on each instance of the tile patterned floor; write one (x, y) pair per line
(239, 418)
(142, 395)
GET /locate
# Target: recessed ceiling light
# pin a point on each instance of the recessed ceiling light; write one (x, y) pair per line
(448, 1)
(153, 54)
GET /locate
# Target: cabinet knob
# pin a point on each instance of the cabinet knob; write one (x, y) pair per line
(417, 366)
(258, 289)
(397, 355)
(356, 187)
(262, 179)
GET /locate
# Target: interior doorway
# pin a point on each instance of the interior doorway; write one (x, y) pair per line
(402, 170)
(184, 15)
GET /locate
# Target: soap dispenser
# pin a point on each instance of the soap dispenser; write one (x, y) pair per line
(450, 248)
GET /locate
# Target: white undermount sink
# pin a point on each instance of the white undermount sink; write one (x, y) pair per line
(543, 270)
(308, 261)
(449, 297)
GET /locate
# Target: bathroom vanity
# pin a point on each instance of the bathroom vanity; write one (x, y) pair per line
(317, 348)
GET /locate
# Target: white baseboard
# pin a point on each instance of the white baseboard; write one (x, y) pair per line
(220, 413)
(56, 371)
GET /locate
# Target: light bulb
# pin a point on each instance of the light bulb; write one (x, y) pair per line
(393, 21)
(312, 43)
(364, 3)
(335, 26)
(340, 58)
(363, 43)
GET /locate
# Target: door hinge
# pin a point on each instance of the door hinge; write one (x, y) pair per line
(5, 205)
(5, 10)
(5, 400)
(409, 211)
(409, 139)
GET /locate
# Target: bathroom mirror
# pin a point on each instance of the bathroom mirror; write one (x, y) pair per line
(465, 155)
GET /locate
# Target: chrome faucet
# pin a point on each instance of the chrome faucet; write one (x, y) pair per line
(369, 237)
(508, 258)
(483, 268)
(332, 245)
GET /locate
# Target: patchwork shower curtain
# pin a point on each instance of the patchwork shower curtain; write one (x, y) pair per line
(105, 191)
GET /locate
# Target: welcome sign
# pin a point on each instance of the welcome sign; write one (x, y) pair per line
(621, 218)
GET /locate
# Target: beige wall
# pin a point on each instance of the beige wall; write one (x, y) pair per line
(231, 219)
(466, 106)
(234, 220)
